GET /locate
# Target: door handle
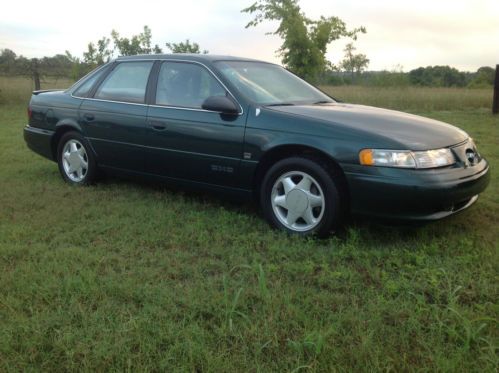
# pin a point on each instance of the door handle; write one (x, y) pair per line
(89, 117)
(157, 126)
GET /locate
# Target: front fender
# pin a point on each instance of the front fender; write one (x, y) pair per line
(297, 140)
(270, 129)
(259, 142)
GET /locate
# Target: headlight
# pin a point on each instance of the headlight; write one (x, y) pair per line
(434, 158)
(406, 158)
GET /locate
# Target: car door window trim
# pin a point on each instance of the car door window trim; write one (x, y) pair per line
(161, 60)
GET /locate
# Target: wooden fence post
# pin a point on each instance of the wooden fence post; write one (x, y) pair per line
(495, 100)
(35, 73)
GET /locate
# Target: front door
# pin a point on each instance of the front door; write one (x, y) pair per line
(183, 140)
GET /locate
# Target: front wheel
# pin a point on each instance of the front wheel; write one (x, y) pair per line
(299, 195)
(75, 159)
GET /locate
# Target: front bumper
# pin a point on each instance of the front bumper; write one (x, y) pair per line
(415, 194)
(40, 141)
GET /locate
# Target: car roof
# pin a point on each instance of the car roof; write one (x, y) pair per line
(186, 56)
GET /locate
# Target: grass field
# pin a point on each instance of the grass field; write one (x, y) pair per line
(414, 98)
(18, 89)
(129, 276)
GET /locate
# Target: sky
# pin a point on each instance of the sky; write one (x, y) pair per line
(400, 34)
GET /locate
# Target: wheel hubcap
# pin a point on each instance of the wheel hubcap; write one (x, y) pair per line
(298, 201)
(75, 160)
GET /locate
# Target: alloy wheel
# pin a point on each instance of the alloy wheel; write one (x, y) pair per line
(75, 160)
(298, 201)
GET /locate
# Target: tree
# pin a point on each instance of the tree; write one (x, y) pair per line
(7, 61)
(185, 47)
(67, 65)
(57, 66)
(354, 63)
(95, 56)
(437, 76)
(305, 41)
(137, 44)
(483, 78)
(78, 68)
(11, 64)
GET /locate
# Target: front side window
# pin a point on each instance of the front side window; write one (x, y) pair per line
(127, 83)
(186, 85)
(266, 83)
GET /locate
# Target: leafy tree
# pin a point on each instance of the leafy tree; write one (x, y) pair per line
(393, 78)
(437, 76)
(185, 47)
(137, 44)
(7, 61)
(78, 68)
(30, 68)
(354, 63)
(305, 41)
(7, 55)
(11, 64)
(484, 77)
(99, 55)
(36, 68)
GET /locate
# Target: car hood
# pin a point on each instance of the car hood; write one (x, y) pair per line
(412, 131)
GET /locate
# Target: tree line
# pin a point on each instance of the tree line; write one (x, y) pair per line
(429, 76)
(305, 42)
(69, 66)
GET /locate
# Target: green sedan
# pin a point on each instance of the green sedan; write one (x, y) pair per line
(255, 130)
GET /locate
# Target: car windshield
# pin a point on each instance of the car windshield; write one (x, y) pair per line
(269, 84)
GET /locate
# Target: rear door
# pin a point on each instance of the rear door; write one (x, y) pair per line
(183, 140)
(114, 118)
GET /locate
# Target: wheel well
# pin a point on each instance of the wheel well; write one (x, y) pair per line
(60, 131)
(285, 151)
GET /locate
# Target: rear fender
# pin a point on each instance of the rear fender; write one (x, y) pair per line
(71, 123)
(61, 128)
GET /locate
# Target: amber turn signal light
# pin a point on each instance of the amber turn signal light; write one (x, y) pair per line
(366, 157)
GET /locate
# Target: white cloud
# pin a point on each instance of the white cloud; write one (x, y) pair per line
(464, 34)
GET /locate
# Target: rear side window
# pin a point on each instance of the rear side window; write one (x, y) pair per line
(85, 88)
(186, 85)
(127, 83)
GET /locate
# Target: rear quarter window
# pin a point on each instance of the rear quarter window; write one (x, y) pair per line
(84, 89)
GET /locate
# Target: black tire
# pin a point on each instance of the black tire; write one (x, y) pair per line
(329, 219)
(89, 173)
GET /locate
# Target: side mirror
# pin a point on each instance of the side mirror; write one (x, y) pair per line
(222, 104)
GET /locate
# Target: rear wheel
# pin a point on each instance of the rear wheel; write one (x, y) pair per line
(75, 159)
(299, 195)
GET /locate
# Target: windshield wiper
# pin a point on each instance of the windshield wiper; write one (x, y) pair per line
(322, 102)
(281, 104)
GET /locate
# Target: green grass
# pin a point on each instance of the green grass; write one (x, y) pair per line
(414, 98)
(130, 276)
(18, 89)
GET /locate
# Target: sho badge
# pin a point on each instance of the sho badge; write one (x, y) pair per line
(218, 168)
